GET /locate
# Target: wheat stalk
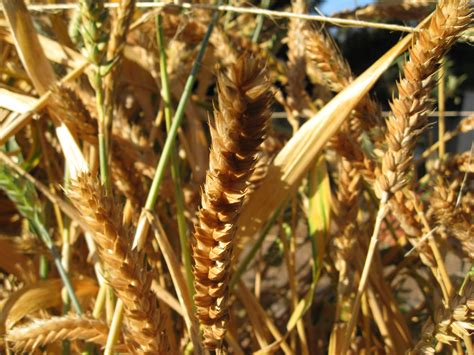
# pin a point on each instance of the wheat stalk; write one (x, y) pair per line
(237, 130)
(125, 270)
(42, 332)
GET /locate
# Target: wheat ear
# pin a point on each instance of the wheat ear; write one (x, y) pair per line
(125, 269)
(456, 219)
(409, 116)
(72, 110)
(450, 325)
(238, 128)
(410, 109)
(323, 54)
(118, 39)
(298, 98)
(41, 332)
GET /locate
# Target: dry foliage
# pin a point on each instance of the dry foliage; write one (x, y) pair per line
(183, 181)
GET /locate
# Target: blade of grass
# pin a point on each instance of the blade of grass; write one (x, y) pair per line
(318, 222)
(260, 20)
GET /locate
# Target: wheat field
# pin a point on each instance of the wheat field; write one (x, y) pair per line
(213, 177)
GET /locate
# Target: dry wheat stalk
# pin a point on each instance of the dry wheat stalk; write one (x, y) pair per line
(413, 103)
(125, 269)
(237, 130)
(41, 332)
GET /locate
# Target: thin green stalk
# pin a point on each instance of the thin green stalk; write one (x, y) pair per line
(182, 228)
(178, 118)
(260, 19)
(102, 137)
(44, 235)
(251, 254)
(143, 224)
(43, 267)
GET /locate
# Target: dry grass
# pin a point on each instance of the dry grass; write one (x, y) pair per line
(150, 202)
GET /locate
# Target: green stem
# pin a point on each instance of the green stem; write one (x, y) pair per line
(43, 267)
(39, 228)
(182, 228)
(102, 136)
(165, 155)
(178, 118)
(260, 19)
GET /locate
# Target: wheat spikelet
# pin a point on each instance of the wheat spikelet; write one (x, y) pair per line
(93, 30)
(114, 53)
(72, 110)
(125, 269)
(238, 129)
(450, 325)
(119, 32)
(323, 54)
(344, 210)
(400, 10)
(298, 98)
(41, 332)
(456, 219)
(409, 110)
(127, 181)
